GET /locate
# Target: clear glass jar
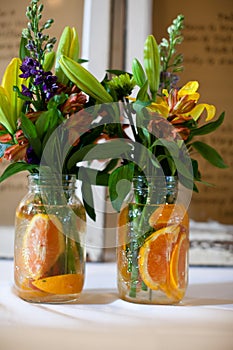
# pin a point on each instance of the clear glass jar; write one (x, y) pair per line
(153, 243)
(49, 250)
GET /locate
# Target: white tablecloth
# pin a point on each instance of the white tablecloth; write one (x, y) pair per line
(100, 320)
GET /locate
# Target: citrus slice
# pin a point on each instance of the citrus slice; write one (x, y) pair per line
(42, 244)
(61, 284)
(178, 264)
(122, 262)
(154, 257)
(169, 214)
(24, 212)
(123, 220)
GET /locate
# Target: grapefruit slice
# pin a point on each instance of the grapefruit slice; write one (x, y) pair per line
(42, 244)
(154, 257)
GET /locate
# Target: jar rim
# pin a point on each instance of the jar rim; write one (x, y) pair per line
(156, 179)
(45, 175)
(52, 179)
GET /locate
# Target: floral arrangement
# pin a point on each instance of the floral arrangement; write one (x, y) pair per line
(44, 90)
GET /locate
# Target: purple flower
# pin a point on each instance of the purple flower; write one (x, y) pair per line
(168, 79)
(49, 85)
(39, 79)
(47, 82)
(30, 68)
(26, 92)
(31, 156)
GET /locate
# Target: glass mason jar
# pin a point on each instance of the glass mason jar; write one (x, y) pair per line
(49, 250)
(153, 243)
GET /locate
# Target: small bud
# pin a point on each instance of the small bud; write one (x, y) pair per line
(40, 8)
(29, 26)
(25, 33)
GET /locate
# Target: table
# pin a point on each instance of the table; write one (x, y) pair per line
(100, 320)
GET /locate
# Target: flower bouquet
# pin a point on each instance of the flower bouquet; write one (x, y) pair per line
(56, 118)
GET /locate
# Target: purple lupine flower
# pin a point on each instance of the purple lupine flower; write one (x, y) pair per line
(26, 92)
(49, 85)
(31, 46)
(39, 79)
(30, 67)
(31, 156)
(168, 79)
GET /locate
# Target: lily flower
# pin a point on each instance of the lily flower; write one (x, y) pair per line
(181, 105)
(69, 46)
(17, 152)
(10, 104)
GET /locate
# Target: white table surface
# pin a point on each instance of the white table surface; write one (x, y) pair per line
(100, 320)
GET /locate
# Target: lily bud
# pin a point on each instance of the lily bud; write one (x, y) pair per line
(69, 46)
(10, 105)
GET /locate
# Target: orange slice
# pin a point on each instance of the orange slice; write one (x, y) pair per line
(42, 244)
(154, 256)
(123, 220)
(178, 264)
(169, 214)
(61, 284)
(25, 212)
(122, 262)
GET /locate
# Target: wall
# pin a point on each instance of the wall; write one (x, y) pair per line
(208, 58)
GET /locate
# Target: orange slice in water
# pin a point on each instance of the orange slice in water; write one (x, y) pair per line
(123, 220)
(178, 264)
(154, 257)
(61, 284)
(42, 244)
(169, 214)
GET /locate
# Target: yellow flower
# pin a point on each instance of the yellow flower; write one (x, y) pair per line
(181, 105)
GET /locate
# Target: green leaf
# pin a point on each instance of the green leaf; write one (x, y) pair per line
(142, 93)
(210, 154)
(87, 194)
(111, 149)
(138, 73)
(183, 169)
(111, 165)
(210, 127)
(23, 51)
(196, 172)
(42, 124)
(30, 132)
(17, 167)
(120, 184)
(172, 147)
(96, 177)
